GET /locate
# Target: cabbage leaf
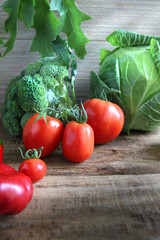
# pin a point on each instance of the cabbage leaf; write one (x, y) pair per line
(133, 70)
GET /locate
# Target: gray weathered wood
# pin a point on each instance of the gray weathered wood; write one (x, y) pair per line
(107, 16)
(113, 195)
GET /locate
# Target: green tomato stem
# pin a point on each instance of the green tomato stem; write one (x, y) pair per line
(31, 153)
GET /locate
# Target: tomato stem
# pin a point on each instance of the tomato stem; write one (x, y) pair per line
(82, 118)
(31, 153)
(69, 113)
(41, 114)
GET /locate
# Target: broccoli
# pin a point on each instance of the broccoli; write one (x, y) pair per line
(40, 86)
(32, 93)
(11, 123)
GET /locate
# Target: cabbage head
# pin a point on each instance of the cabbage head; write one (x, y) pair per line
(129, 75)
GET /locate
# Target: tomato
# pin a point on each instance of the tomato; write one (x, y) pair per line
(1, 151)
(77, 141)
(106, 119)
(34, 168)
(16, 190)
(37, 134)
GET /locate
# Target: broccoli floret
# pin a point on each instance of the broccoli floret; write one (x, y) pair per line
(48, 72)
(3, 108)
(53, 60)
(53, 75)
(12, 124)
(11, 90)
(62, 74)
(13, 107)
(33, 68)
(39, 86)
(32, 94)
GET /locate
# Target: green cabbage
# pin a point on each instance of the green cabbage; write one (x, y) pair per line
(129, 75)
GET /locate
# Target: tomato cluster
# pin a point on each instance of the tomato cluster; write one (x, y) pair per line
(105, 121)
(41, 136)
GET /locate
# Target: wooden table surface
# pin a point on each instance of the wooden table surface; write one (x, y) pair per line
(115, 194)
(141, 16)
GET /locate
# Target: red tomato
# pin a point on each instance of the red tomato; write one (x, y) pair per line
(34, 168)
(39, 134)
(16, 190)
(1, 151)
(77, 141)
(106, 119)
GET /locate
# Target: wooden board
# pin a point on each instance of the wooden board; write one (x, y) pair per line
(107, 15)
(113, 195)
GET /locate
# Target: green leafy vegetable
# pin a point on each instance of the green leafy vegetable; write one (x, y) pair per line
(38, 14)
(132, 73)
(104, 53)
(10, 25)
(71, 18)
(122, 38)
(155, 51)
(61, 48)
(1, 42)
(46, 25)
(26, 12)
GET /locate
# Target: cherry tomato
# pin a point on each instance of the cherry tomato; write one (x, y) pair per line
(77, 141)
(39, 133)
(34, 168)
(106, 119)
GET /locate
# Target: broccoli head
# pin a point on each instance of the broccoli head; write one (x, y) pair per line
(40, 86)
(32, 93)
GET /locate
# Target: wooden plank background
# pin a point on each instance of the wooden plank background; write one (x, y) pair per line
(107, 15)
(115, 194)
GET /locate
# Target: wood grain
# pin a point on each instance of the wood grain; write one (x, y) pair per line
(115, 194)
(107, 15)
(138, 153)
(89, 208)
